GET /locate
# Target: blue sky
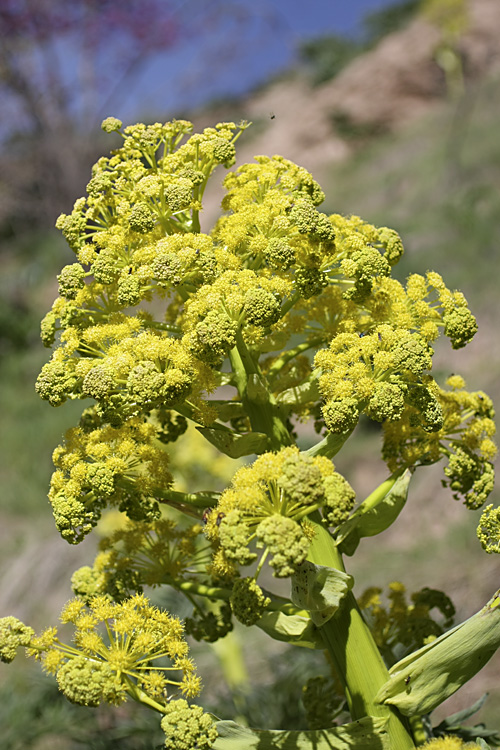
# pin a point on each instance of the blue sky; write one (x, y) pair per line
(317, 16)
(226, 48)
(237, 57)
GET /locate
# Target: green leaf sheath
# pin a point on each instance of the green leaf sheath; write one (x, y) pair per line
(423, 680)
(233, 444)
(319, 590)
(376, 513)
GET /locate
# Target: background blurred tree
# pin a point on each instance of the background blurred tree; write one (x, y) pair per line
(325, 56)
(386, 20)
(60, 63)
(63, 67)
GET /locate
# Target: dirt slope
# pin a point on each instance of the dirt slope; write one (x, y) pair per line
(379, 91)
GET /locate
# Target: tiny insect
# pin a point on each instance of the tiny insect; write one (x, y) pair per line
(272, 116)
(220, 516)
(206, 515)
(407, 680)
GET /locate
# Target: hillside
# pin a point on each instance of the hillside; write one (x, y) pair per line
(379, 93)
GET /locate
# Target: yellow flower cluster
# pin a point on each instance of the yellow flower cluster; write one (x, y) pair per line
(464, 438)
(401, 627)
(143, 554)
(120, 651)
(269, 502)
(101, 466)
(153, 308)
(374, 372)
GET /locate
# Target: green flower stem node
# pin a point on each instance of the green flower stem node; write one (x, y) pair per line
(319, 590)
(290, 354)
(185, 499)
(366, 734)
(258, 402)
(295, 629)
(423, 680)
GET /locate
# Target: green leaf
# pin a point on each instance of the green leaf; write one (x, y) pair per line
(319, 590)
(227, 410)
(458, 718)
(300, 394)
(294, 629)
(366, 734)
(375, 514)
(454, 725)
(233, 444)
(423, 680)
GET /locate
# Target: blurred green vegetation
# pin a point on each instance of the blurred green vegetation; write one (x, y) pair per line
(29, 430)
(29, 434)
(45, 720)
(325, 56)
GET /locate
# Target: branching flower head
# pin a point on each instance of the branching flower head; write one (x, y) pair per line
(269, 502)
(13, 633)
(126, 371)
(296, 314)
(248, 601)
(375, 372)
(107, 466)
(187, 727)
(144, 554)
(488, 531)
(464, 438)
(128, 649)
(404, 626)
(449, 743)
(236, 300)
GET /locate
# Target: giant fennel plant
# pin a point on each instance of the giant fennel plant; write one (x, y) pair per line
(279, 316)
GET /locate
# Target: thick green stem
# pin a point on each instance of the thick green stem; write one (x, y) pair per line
(354, 653)
(290, 354)
(277, 603)
(191, 504)
(258, 402)
(380, 492)
(141, 697)
(230, 655)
